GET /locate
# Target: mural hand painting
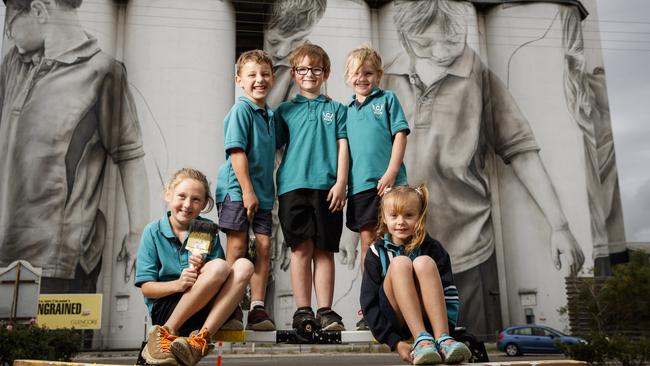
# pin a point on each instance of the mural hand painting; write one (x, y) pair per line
(563, 242)
(348, 248)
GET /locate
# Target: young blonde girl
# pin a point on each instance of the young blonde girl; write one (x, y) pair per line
(407, 289)
(184, 292)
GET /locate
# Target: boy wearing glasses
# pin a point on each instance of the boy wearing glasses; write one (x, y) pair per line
(311, 181)
(64, 106)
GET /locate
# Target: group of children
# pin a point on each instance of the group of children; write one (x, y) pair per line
(333, 153)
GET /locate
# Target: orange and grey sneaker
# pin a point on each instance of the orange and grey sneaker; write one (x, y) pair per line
(190, 350)
(157, 350)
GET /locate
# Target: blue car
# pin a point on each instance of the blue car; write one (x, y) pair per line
(517, 340)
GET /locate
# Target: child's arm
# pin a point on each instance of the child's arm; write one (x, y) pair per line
(399, 128)
(239, 162)
(156, 290)
(336, 196)
(529, 169)
(396, 158)
(148, 266)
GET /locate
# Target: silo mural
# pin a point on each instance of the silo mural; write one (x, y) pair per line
(507, 105)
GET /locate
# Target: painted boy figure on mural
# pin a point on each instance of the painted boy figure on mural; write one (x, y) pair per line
(458, 110)
(290, 23)
(65, 107)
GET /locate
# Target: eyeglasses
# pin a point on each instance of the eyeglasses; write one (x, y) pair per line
(9, 23)
(302, 70)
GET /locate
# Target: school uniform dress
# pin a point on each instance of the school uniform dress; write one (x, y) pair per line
(371, 126)
(376, 309)
(309, 129)
(162, 257)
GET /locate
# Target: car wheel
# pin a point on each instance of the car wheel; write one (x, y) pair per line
(512, 350)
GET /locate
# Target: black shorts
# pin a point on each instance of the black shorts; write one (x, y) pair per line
(362, 210)
(162, 309)
(389, 313)
(304, 214)
(232, 216)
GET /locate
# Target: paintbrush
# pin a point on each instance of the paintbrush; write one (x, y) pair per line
(201, 236)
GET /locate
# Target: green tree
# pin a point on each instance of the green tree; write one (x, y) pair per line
(618, 314)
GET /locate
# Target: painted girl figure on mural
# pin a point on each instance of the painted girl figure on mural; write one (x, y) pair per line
(457, 110)
(65, 107)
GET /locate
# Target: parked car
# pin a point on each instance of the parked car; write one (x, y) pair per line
(517, 340)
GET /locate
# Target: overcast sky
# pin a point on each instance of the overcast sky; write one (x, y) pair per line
(625, 38)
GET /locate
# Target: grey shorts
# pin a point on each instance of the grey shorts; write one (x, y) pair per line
(232, 216)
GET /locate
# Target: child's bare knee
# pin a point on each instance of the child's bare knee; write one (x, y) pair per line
(424, 263)
(242, 269)
(262, 247)
(401, 263)
(217, 268)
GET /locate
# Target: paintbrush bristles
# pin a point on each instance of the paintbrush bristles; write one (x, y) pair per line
(201, 235)
(204, 226)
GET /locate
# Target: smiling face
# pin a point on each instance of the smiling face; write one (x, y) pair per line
(256, 80)
(186, 201)
(401, 221)
(442, 46)
(309, 83)
(364, 79)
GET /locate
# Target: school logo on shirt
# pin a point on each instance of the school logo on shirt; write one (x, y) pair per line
(377, 109)
(328, 117)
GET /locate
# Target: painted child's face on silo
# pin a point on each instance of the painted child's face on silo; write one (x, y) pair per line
(442, 46)
(280, 45)
(24, 29)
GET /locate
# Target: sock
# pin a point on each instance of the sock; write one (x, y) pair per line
(256, 303)
(323, 309)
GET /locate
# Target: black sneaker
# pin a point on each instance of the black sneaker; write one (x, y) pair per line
(304, 321)
(235, 321)
(362, 324)
(258, 319)
(329, 320)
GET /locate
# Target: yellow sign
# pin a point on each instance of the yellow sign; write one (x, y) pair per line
(79, 311)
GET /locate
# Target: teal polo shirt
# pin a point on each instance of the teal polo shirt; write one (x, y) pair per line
(310, 129)
(162, 257)
(371, 127)
(252, 129)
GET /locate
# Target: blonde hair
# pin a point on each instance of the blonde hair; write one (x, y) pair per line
(358, 56)
(398, 197)
(191, 173)
(256, 56)
(315, 54)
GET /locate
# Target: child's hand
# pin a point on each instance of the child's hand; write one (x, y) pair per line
(336, 197)
(196, 261)
(385, 183)
(187, 279)
(251, 203)
(404, 351)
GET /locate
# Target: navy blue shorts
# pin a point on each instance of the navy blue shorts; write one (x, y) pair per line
(304, 215)
(163, 308)
(362, 210)
(232, 216)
